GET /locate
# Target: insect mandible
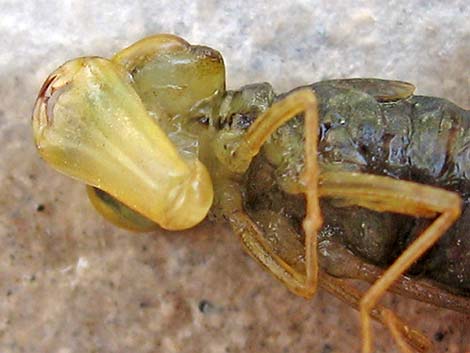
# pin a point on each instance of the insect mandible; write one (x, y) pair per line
(318, 183)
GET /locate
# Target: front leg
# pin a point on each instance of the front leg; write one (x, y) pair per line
(238, 159)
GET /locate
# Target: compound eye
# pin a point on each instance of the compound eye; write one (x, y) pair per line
(170, 74)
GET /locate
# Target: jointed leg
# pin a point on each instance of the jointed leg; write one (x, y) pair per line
(352, 296)
(254, 241)
(389, 195)
(342, 263)
(302, 101)
(393, 325)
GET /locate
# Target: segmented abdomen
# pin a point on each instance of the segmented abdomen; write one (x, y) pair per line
(422, 139)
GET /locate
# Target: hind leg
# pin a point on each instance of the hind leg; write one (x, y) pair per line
(400, 330)
(385, 194)
(339, 262)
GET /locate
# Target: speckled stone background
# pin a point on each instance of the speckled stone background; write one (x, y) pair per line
(70, 282)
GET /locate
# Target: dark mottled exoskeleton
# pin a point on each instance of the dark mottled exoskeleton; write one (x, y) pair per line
(417, 138)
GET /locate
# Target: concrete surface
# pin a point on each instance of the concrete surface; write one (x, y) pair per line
(70, 282)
